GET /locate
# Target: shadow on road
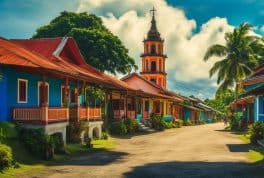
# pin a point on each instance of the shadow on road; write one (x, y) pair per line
(97, 159)
(238, 147)
(197, 169)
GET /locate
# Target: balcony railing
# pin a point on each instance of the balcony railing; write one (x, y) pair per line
(85, 113)
(43, 115)
(131, 114)
(119, 114)
(146, 115)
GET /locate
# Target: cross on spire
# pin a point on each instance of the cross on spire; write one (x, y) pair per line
(153, 11)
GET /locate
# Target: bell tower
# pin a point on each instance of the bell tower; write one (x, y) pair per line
(153, 58)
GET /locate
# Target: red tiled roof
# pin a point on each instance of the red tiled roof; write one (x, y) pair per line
(13, 54)
(53, 49)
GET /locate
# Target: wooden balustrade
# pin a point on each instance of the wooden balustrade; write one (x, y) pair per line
(146, 115)
(27, 114)
(83, 113)
(118, 114)
(94, 113)
(57, 114)
(40, 115)
(131, 114)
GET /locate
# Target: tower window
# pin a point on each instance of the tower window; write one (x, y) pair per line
(153, 66)
(147, 48)
(147, 65)
(159, 49)
(160, 67)
(153, 49)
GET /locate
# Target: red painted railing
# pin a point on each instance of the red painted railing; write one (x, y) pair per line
(118, 114)
(146, 115)
(131, 114)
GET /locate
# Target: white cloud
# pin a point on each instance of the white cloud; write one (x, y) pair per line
(130, 20)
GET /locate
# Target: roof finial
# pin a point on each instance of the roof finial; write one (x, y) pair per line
(153, 11)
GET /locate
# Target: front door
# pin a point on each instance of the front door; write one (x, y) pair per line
(43, 93)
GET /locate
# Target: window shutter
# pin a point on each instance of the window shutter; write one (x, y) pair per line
(22, 91)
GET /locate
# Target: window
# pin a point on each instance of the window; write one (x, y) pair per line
(160, 67)
(153, 66)
(147, 65)
(22, 90)
(153, 49)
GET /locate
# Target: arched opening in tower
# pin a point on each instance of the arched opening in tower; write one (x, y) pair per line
(153, 66)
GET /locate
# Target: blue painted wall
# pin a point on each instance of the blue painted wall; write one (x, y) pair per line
(186, 113)
(8, 91)
(202, 116)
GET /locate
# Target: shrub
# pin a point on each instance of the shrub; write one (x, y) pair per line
(73, 132)
(37, 142)
(58, 143)
(157, 122)
(233, 122)
(256, 132)
(105, 136)
(131, 125)
(169, 125)
(178, 123)
(187, 122)
(201, 122)
(6, 157)
(118, 128)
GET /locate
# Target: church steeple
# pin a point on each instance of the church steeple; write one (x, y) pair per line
(153, 33)
(153, 58)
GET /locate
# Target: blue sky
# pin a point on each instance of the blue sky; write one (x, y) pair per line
(197, 20)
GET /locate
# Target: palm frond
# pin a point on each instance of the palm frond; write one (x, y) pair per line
(215, 50)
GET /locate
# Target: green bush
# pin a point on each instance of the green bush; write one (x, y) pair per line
(105, 136)
(58, 143)
(7, 130)
(256, 132)
(37, 142)
(73, 132)
(157, 122)
(6, 157)
(178, 123)
(201, 122)
(118, 128)
(131, 125)
(233, 122)
(169, 125)
(187, 122)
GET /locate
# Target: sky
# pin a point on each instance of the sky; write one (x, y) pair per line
(188, 27)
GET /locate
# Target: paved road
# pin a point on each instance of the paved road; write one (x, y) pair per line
(197, 151)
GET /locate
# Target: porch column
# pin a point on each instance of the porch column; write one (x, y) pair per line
(44, 101)
(125, 105)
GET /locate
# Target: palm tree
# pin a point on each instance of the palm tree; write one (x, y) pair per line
(241, 54)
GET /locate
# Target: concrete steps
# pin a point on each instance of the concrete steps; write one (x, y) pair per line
(144, 128)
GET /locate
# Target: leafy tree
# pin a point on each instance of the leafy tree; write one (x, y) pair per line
(99, 46)
(240, 56)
